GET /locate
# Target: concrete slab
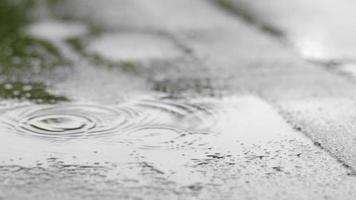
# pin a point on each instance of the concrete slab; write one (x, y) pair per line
(218, 145)
(246, 150)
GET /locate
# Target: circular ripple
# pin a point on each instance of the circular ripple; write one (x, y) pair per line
(71, 120)
(188, 115)
(161, 137)
(147, 123)
(178, 124)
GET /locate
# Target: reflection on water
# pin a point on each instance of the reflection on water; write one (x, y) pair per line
(148, 117)
(154, 145)
(165, 137)
(191, 133)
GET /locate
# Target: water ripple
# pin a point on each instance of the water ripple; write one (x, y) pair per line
(64, 121)
(149, 123)
(200, 116)
(161, 137)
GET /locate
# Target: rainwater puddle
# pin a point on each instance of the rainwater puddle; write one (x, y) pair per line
(67, 121)
(148, 116)
(172, 139)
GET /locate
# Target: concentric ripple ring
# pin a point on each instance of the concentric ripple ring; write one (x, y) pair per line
(71, 120)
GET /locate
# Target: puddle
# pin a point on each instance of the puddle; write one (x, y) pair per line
(151, 144)
(67, 121)
(150, 131)
(115, 140)
(147, 117)
(130, 46)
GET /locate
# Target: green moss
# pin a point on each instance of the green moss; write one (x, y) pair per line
(129, 66)
(76, 44)
(30, 91)
(22, 56)
(13, 16)
(19, 52)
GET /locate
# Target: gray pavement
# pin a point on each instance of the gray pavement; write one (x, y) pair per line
(321, 33)
(179, 99)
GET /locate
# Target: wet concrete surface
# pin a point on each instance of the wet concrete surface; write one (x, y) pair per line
(170, 99)
(331, 21)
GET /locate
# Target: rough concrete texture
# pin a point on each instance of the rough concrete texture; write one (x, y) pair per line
(187, 101)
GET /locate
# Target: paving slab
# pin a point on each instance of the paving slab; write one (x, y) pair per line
(224, 157)
(326, 21)
(224, 120)
(278, 75)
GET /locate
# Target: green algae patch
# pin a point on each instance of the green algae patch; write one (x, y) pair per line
(35, 92)
(24, 54)
(20, 54)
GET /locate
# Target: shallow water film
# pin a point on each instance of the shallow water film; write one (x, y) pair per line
(174, 99)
